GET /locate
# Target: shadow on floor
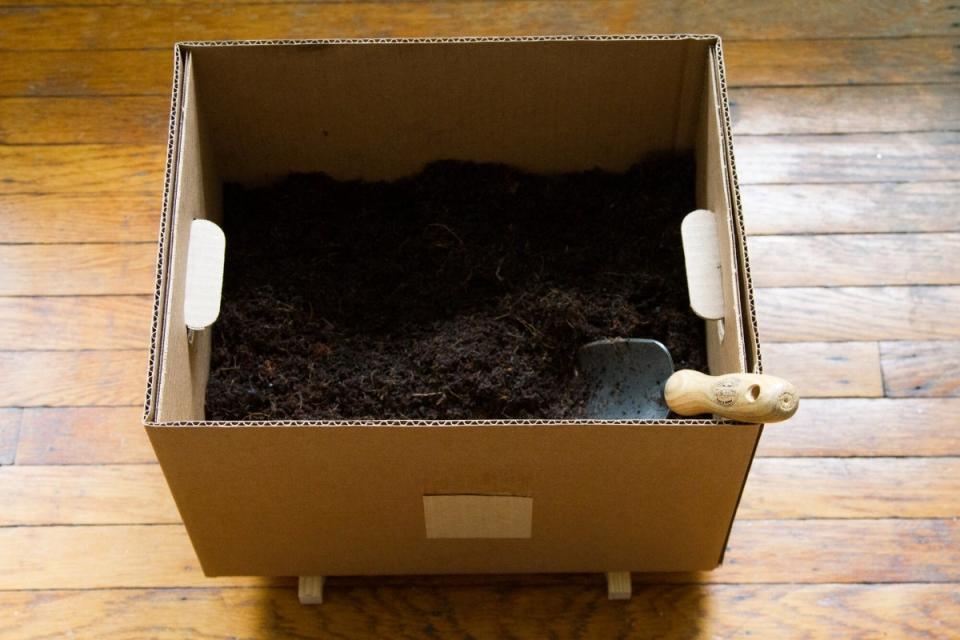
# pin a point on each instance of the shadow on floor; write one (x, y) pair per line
(535, 606)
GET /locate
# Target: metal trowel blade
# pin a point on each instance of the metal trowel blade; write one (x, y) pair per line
(626, 378)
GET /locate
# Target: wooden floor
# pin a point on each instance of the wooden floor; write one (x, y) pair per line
(848, 146)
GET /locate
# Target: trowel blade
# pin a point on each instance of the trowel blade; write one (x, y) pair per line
(626, 378)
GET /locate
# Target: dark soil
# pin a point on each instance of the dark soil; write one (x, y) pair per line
(461, 292)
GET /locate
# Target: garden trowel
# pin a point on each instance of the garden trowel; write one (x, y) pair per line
(633, 379)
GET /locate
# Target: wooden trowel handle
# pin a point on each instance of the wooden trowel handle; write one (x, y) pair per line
(746, 397)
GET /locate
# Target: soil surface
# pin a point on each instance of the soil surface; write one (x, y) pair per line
(461, 292)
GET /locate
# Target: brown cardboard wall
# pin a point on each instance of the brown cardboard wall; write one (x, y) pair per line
(349, 500)
(185, 359)
(380, 111)
(725, 348)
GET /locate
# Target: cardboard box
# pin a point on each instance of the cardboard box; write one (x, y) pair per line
(420, 497)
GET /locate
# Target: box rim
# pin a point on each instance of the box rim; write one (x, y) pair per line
(627, 37)
(153, 365)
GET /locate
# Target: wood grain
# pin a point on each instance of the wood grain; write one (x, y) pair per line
(826, 370)
(100, 322)
(797, 110)
(773, 209)
(776, 488)
(841, 62)
(749, 63)
(72, 378)
(158, 25)
(791, 110)
(760, 551)
(845, 124)
(59, 218)
(578, 610)
(851, 488)
(87, 73)
(88, 494)
(855, 157)
(101, 557)
(9, 434)
(863, 427)
(858, 313)
(83, 435)
(834, 551)
(770, 20)
(82, 169)
(921, 369)
(854, 259)
(77, 269)
(127, 119)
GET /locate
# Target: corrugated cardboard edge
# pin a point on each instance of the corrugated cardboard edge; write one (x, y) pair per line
(153, 372)
(747, 300)
(162, 245)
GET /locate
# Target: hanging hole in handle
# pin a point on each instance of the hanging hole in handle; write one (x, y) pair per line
(753, 393)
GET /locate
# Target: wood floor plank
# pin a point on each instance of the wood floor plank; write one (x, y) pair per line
(855, 157)
(87, 494)
(72, 378)
(760, 551)
(854, 259)
(862, 427)
(87, 73)
(837, 109)
(749, 63)
(132, 27)
(59, 218)
(82, 168)
(83, 435)
(780, 488)
(774, 20)
(851, 488)
(921, 369)
(841, 62)
(858, 313)
(576, 610)
(782, 209)
(833, 551)
(826, 369)
(9, 434)
(99, 557)
(792, 110)
(106, 120)
(78, 269)
(64, 323)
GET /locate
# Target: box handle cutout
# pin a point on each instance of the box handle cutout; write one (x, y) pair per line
(701, 255)
(205, 254)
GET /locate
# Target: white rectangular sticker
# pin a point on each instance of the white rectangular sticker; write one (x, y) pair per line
(477, 516)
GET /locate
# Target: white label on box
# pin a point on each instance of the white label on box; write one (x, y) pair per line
(478, 516)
